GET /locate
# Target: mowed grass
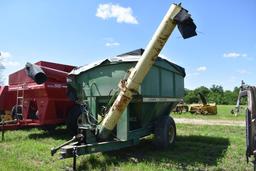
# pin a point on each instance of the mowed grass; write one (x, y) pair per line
(223, 113)
(197, 148)
(29, 149)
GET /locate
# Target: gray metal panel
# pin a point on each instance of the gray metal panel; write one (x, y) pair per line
(167, 85)
(179, 86)
(101, 80)
(151, 83)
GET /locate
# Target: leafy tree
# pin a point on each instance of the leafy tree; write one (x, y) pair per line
(229, 98)
(217, 89)
(190, 97)
(214, 94)
(204, 90)
(236, 90)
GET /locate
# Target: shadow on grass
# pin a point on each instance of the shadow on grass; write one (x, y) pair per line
(188, 151)
(58, 133)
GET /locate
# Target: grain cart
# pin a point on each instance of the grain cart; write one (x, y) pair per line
(36, 96)
(250, 93)
(110, 119)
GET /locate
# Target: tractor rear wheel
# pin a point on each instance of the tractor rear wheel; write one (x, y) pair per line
(73, 118)
(165, 132)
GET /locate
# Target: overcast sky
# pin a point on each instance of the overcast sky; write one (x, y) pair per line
(79, 32)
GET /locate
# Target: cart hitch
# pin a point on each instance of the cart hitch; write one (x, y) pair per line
(74, 158)
(78, 138)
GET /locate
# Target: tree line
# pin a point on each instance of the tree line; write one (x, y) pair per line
(214, 94)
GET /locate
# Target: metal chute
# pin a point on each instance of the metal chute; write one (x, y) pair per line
(36, 73)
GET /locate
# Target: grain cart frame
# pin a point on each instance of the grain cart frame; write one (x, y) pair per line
(114, 130)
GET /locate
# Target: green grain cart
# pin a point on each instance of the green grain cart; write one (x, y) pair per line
(125, 98)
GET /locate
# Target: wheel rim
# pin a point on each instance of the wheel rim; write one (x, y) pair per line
(171, 134)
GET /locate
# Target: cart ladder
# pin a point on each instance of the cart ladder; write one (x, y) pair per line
(19, 103)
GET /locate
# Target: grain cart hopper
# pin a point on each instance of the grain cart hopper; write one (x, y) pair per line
(36, 96)
(111, 119)
(250, 93)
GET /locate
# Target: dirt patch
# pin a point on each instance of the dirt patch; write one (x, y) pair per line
(209, 122)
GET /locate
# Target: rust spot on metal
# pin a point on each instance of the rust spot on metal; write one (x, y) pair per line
(120, 104)
(122, 85)
(155, 55)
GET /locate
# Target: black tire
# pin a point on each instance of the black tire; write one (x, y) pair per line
(15, 110)
(165, 132)
(72, 119)
(2, 113)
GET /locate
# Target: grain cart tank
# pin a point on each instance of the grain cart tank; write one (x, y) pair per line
(112, 117)
(97, 83)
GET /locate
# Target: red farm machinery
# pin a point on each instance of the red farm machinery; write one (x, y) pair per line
(36, 96)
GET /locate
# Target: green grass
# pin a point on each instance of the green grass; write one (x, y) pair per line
(197, 148)
(223, 113)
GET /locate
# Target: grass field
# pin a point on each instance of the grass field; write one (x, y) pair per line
(223, 113)
(197, 148)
